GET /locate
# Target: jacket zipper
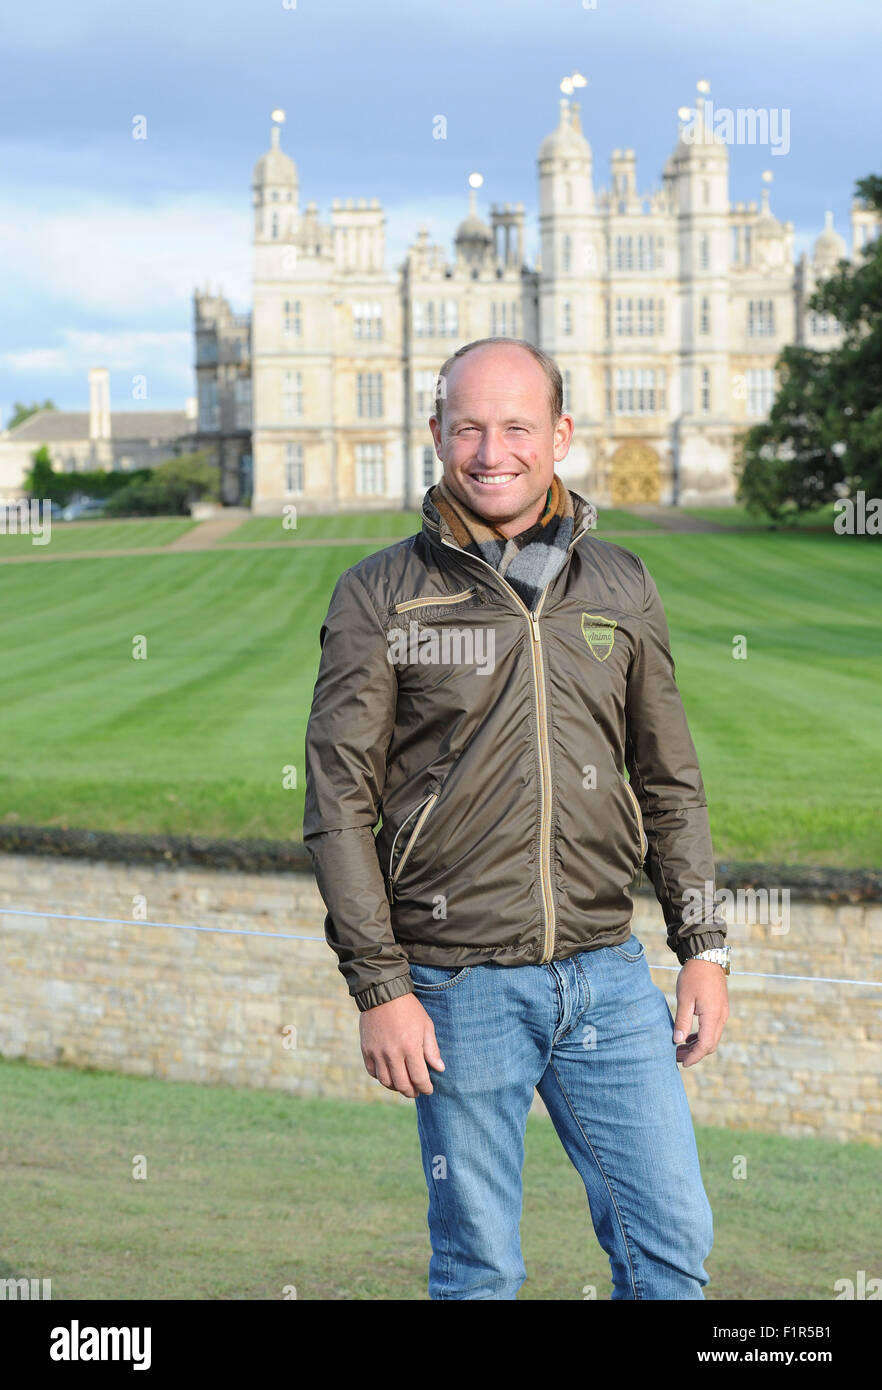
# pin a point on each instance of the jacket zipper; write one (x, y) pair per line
(644, 843)
(542, 722)
(393, 877)
(461, 597)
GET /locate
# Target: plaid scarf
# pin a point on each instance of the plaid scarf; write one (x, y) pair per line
(530, 560)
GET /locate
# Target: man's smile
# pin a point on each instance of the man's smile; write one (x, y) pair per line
(493, 479)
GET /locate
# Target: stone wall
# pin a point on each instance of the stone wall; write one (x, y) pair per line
(221, 1007)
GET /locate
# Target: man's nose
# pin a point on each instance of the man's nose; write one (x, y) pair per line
(492, 448)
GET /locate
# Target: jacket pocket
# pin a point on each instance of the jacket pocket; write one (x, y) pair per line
(434, 601)
(644, 843)
(421, 812)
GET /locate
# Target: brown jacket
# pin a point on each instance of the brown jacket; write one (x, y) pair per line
(491, 741)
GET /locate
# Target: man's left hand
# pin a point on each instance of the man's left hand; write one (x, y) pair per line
(702, 991)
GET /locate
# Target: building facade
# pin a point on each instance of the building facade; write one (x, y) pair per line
(665, 311)
(223, 391)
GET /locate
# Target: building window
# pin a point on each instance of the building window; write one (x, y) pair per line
(760, 318)
(606, 317)
(292, 395)
(639, 391)
(567, 389)
(448, 318)
(503, 320)
(705, 391)
(748, 245)
(293, 467)
(274, 225)
(430, 320)
(429, 457)
(704, 253)
(424, 392)
(369, 470)
(369, 391)
(367, 320)
(567, 256)
(242, 403)
(292, 321)
(640, 317)
(760, 390)
(246, 475)
(822, 323)
(209, 406)
(704, 319)
(735, 257)
(644, 252)
(567, 325)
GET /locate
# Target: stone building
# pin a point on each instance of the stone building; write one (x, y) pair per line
(223, 389)
(98, 438)
(665, 310)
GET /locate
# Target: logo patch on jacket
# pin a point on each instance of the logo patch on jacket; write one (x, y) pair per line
(599, 633)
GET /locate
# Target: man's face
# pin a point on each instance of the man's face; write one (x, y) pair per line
(498, 442)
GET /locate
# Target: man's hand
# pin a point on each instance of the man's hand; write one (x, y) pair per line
(701, 990)
(397, 1040)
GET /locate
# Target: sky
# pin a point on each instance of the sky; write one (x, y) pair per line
(104, 237)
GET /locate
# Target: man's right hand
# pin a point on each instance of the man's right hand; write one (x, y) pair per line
(397, 1040)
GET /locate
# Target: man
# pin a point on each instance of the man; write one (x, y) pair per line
(482, 687)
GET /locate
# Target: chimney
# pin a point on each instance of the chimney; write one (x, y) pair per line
(99, 403)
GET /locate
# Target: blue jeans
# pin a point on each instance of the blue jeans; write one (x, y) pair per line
(593, 1035)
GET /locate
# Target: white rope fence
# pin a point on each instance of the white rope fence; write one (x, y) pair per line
(296, 936)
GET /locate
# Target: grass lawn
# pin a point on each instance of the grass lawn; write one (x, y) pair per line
(823, 518)
(101, 535)
(196, 738)
(384, 526)
(249, 1191)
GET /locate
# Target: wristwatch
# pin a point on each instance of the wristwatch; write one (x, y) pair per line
(719, 954)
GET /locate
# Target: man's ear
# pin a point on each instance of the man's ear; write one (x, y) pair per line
(563, 435)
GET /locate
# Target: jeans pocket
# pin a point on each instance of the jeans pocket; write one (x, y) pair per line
(632, 949)
(431, 978)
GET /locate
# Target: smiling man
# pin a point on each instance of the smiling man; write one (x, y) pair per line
(484, 930)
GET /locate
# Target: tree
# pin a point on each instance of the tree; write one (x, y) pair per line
(41, 480)
(170, 488)
(21, 412)
(823, 437)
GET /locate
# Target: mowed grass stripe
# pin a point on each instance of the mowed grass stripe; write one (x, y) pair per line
(195, 738)
(384, 525)
(65, 536)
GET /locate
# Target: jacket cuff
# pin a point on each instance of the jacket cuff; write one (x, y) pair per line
(382, 993)
(688, 946)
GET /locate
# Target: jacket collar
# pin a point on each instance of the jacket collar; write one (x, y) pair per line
(434, 527)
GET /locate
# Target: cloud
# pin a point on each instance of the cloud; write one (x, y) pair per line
(120, 261)
(139, 353)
